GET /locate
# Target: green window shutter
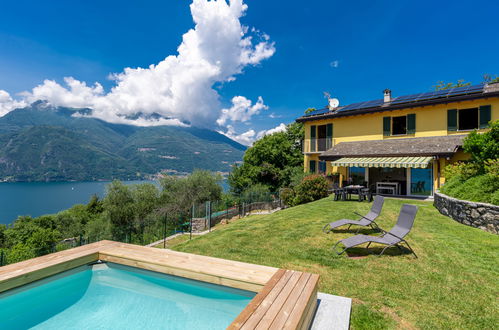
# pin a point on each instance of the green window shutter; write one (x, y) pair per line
(411, 123)
(485, 116)
(329, 130)
(329, 136)
(452, 120)
(387, 126)
(313, 141)
(313, 130)
(312, 166)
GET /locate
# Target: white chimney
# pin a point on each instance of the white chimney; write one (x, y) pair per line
(387, 95)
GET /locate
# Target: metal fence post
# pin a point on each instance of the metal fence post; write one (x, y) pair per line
(190, 229)
(164, 232)
(209, 215)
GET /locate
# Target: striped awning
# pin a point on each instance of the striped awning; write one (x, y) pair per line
(415, 162)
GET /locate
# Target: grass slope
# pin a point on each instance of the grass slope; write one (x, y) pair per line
(453, 284)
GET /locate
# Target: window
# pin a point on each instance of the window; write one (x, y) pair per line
(312, 166)
(322, 166)
(399, 125)
(421, 181)
(357, 175)
(468, 119)
(321, 137)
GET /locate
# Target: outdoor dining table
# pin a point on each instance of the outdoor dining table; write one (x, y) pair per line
(355, 189)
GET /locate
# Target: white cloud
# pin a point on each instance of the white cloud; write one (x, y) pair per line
(247, 138)
(7, 103)
(241, 110)
(179, 88)
(335, 64)
(281, 128)
(273, 116)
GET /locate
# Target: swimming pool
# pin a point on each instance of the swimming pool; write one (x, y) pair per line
(112, 296)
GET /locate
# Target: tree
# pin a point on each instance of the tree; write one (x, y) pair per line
(441, 85)
(179, 194)
(95, 205)
(119, 206)
(309, 110)
(487, 78)
(146, 200)
(3, 237)
(271, 161)
(483, 147)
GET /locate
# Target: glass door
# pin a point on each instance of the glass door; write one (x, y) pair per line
(421, 181)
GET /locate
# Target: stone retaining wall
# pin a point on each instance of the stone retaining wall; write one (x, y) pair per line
(479, 215)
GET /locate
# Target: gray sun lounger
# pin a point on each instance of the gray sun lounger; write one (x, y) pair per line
(366, 220)
(394, 237)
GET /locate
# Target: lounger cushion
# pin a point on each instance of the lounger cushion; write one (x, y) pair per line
(361, 239)
(342, 222)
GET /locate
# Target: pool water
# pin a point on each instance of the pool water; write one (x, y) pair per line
(111, 296)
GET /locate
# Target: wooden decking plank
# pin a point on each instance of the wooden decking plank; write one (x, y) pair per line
(245, 274)
(273, 310)
(194, 257)
(290, 303)
(168, 254)
(296, 318)
(254, 319)
(198, 258)
(23, 272)
(256, 301)
(185, 272)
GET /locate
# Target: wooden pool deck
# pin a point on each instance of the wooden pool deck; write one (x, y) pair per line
(285, 299)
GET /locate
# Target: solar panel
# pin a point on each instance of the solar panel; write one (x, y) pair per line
(405, 98)
(362, 105)
(352, 106)
(437, 94)
(317, 112)
(415, 97)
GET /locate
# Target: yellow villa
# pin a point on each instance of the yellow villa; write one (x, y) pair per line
(397, 145)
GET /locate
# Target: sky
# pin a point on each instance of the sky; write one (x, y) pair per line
(243, 68)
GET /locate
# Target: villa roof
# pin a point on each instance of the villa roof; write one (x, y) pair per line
(422, 146)
(406, 101)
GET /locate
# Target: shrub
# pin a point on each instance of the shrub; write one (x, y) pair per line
(256, 193)
(288, 196)
(492, 168)
(485, 146)
(462, 169)
(482, 188)
(312, 187)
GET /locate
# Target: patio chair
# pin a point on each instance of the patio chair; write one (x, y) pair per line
(338, 193)
(367, 220)
(394, 237)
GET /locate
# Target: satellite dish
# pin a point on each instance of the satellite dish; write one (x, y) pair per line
(334, 103)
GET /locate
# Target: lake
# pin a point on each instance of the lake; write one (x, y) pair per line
(38, 198)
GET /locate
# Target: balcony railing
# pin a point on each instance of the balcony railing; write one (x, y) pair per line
(317, 145)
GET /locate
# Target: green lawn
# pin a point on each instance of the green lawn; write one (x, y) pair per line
(453, 284)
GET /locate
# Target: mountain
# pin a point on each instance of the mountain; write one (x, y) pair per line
(46, 143)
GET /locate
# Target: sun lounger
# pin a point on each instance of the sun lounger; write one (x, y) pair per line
(367, 220)
(394, 237)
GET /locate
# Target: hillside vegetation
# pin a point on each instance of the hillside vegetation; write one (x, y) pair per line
(452, 285)
(478, 178)
(45, 143)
